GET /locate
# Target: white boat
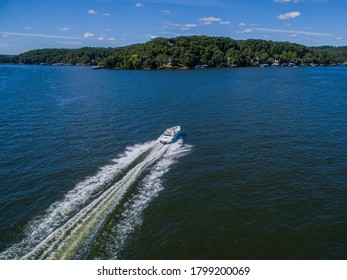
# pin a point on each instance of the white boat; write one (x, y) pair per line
(170, 135)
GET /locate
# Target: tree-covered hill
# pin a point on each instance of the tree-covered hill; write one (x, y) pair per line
(8, 58)
(329, 54)
(187, 52)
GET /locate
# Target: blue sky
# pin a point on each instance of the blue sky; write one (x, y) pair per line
(35, 24)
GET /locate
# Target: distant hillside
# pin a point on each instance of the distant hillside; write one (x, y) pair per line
(329, 54)
(187, 52)
(6, 58)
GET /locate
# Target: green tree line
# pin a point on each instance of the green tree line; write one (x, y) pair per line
(186, 52)
(329, 54)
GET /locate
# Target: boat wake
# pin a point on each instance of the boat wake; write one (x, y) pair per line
(69, 227)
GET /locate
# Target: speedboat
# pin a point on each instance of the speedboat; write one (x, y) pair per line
(170, 135)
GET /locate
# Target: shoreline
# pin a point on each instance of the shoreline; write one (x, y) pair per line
(97, 67)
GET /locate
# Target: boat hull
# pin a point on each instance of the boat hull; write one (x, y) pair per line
(170, 135)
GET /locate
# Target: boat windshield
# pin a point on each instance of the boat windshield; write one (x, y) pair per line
(168, 132)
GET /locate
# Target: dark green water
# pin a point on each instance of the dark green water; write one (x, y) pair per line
(259, 172)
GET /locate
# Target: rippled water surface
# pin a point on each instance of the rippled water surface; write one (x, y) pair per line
(259, 171)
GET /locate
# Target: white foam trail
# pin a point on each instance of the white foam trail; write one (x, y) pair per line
(150, 186)
(72, 239)
(59, 212)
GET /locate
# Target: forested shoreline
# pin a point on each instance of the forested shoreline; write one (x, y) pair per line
(187, 52)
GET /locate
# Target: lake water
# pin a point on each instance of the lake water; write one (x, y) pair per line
(259, 172)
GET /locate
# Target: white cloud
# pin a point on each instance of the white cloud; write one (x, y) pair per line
(292, 31)
(4, 45)
(281, 1)
(37, 35)
(289, 15)
(150, 36)
(245, 31)
(286, 1)
(339, 38)
(64, 29)
(191, 25)
(181, 26)
(166, 11)
(139, 5)
(106, 14)
(88, 35)
(224, 22)
(27, 28)
(242, 24)
(92, 12)
(209, 19)
(188, 26)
